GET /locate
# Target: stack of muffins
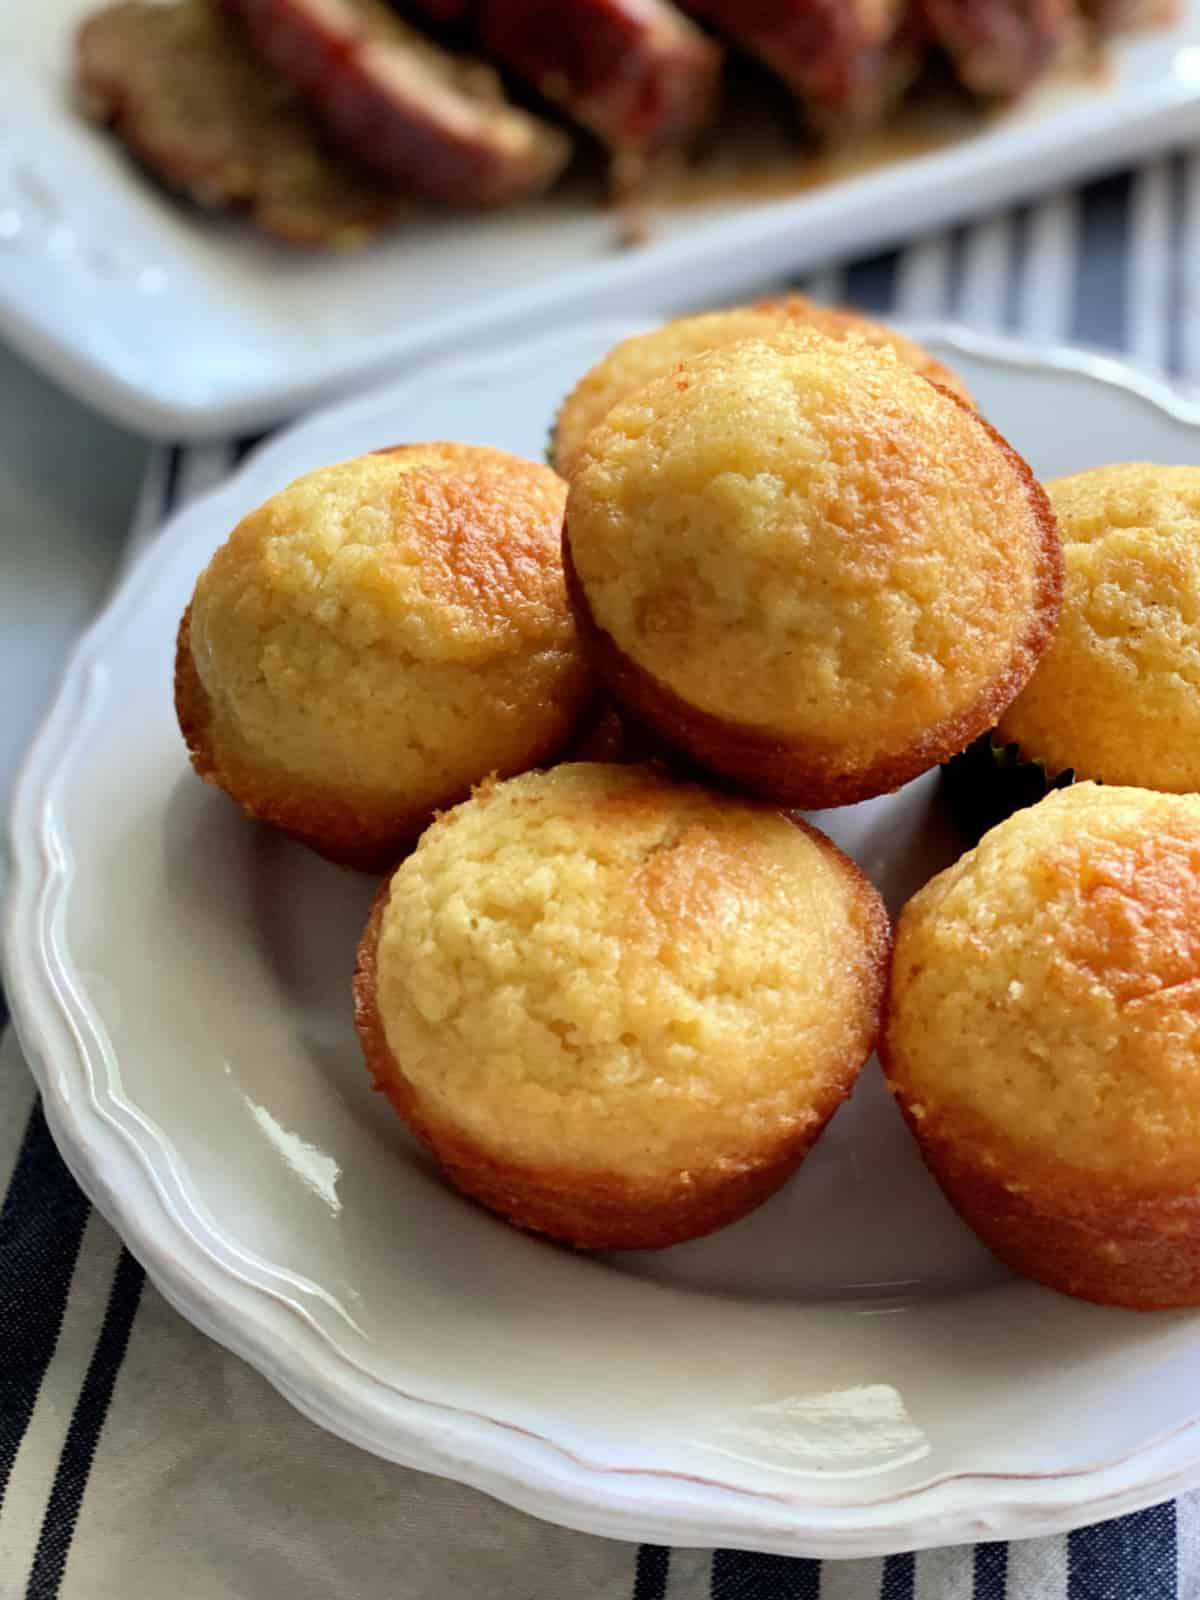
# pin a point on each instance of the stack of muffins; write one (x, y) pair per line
(783, 562)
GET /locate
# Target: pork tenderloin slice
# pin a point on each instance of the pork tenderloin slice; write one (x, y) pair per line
(1000, 48)
(636, 73)
(1127, 16)
(846, 61)
(182, 89)
(432, 119)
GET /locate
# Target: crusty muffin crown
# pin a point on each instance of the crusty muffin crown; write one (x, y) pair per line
(453, 545)
(393, 625)
(1117, 694)
(1045, 993)
(596, 965)
(375, 638)
(638, 360)
(805, 540)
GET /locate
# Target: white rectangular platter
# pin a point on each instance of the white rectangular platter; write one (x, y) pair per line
(188, 327)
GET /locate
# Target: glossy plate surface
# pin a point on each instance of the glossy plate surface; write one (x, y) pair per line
(845, 1372)
(186, 326)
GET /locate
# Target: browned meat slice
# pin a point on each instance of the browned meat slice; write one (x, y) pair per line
(1001, 47)
(637, 73)
(182, 88)
(1118, 16)
(847, 61)
(429, 118)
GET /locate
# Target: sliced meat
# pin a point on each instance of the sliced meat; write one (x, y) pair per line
(182, 88)
(427, 117)
(1120, 16)
(636, 73)
(847, 61)
(999, 48)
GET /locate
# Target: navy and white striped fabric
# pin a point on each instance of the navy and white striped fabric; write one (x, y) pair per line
(137, 1459)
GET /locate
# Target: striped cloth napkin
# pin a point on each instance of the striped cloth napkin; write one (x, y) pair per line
(138, 1459)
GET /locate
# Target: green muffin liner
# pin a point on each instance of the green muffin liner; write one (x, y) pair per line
(552, 439)
(987, 782)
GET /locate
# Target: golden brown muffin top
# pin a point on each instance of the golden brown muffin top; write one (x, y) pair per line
(1046, 990)
(646, 356)
(393, 619)
(806, 539)
(596, 966)
(1117, 693)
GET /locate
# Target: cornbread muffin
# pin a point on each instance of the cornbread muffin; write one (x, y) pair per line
(637, 361)
(1117, 694)
(1043, 1038)
(618, 1009)
(807, 567)
(378, 637)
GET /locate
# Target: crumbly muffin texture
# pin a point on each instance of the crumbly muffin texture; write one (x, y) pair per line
(595, 968)
(1045, 994)
(396, 625)
(805, 538)
(1117, 694)
(639, 360)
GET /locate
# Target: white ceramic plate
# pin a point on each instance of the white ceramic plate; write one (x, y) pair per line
(184, 326)
(845, 1372)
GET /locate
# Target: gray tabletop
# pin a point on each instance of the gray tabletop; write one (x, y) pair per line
(68, 485)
